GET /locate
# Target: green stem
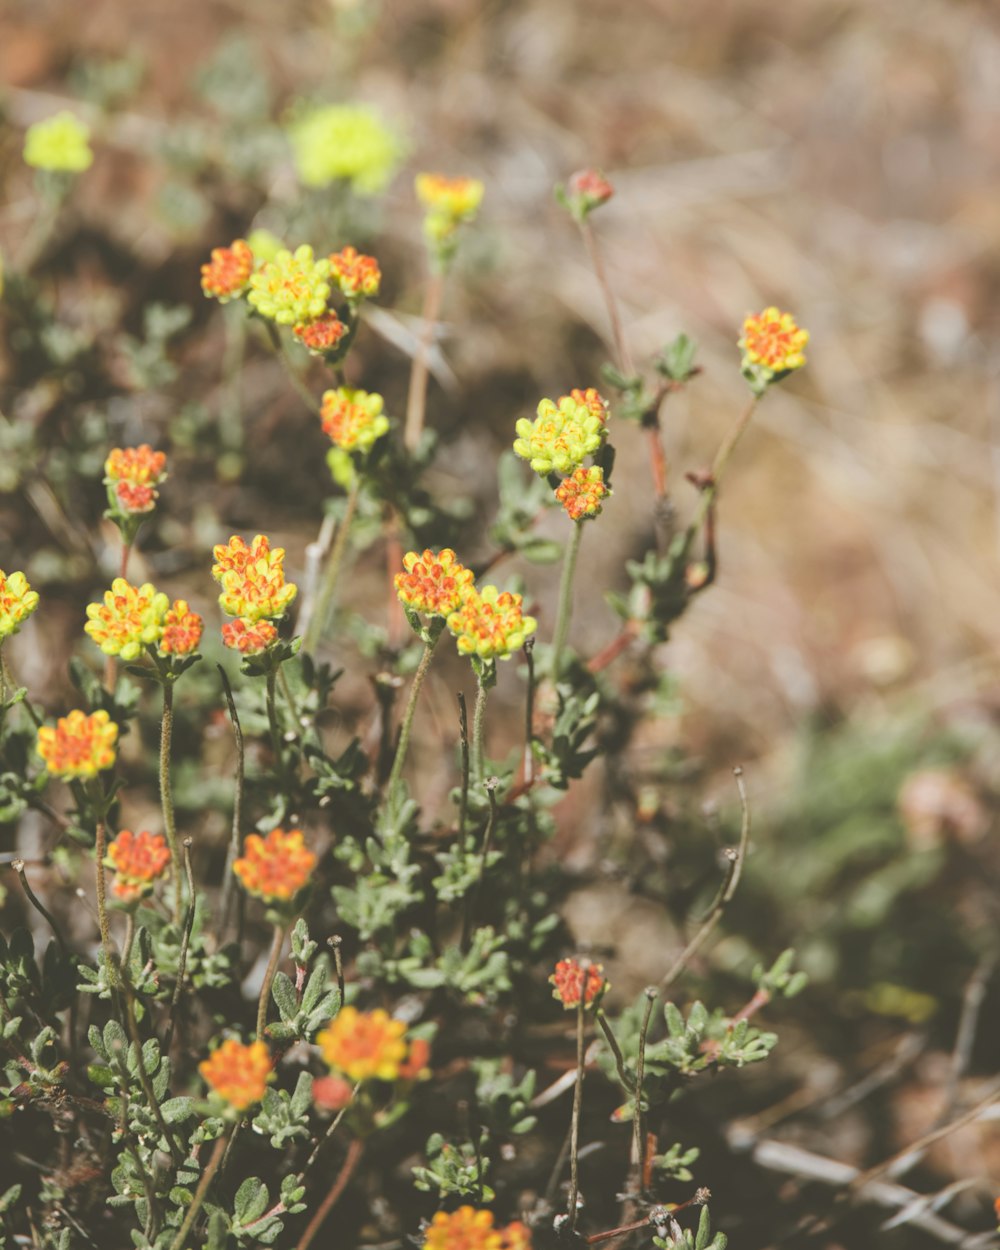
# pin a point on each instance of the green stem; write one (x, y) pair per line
(328, 578)
(272, 719)
(166, 794)
(199, 1194)
(416, 400)
(100, 850)
(722, 458)
(407, 724)
(265, 989)
(234, 837)
(478, 725)
(565, 598)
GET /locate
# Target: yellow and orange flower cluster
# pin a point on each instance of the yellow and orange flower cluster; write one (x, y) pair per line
(248, 637)
(322, 335)
(490, 624)
(181, 630)
(238, 1074)
(293, 288)
(132, 475)
(138, 860)
(17, 602)
(573, 977)
(449, 203)
(353, 420)
(357, 275)
(128, 619)
(582, 493)
(433, 584)
(586, 190)
(471, 1229)
(277, 867)
(253, 589)
(361, 1045)
(563, 433)
(773, 345)
(80, 746)
(227, 275)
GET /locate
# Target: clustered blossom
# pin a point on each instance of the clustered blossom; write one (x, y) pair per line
(277, 867)
(17, 602)
(490, 624)
(773, 346)
(364, 1044)
(130, 618)
(80, 746)
(357, 275)
(563, 434)
(472, 1229)
(248, 637)
(433, 584)
(293, 288)
(353, 419)
(138, 860)
(238, 1074)
(60, 144)
(582, 493)
(133, 474)
(322, 335)
(181, 630)
(253, 581)
(586, 190)
(346, 141)
(574, 977)
(227, 275)
(449, 203)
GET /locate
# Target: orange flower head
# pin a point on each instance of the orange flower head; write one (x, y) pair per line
(248, 637)
(323, 335)
(138, 859)
(134, 474)
(17, 602)
(253, 579)
(128, 619)
(582, 493)
(277, 867)
(227, 274)
(586, 190)
(364, 1044)
(470, 1229)
(357, 275)
(773, 346)
(592, 400)
(433, 584)
(353, 419)
(573, 977)
(455, 198)
(181, 630)
(238, 1074)
(490, 624)
(79, 745)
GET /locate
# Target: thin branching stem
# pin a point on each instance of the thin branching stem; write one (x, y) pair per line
(416, 400)
(463, 805)
(351, 1161)
(640, 1069)
(166, 793)
(233, 849)
(185, 943)
(314, 626)
(407, 723)
(35, 901)
(265, 990)
(574, 1144)
(565, 598)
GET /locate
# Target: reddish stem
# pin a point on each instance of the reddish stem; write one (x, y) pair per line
(613, 650)
(351, 1161)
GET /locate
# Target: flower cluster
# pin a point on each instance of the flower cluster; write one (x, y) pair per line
(293, 288)
(79, 746)
(248, 637)
(490, 624)
(574, 977)
(470, 1229)
(322, 335)
(181, 630)
(364, 1044)
(277, 867)
(582, 493)
(17, 602)
(344, 141)
(130, 618)
(132, 475)
(433, 584)
(253, 589)
(586, 190)
(357, 275)
(449, 202)
(138, 860)
(60, 144)
(227, 275)
(564, 433)
(773, 346)
(238, 1074)
(353, 419)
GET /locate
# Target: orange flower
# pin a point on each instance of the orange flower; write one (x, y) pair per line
(138, 859)
(239, 1074)
(253, 579)
(573, 977)
(772, 347)
(134, 473)
(79, 745)
(356, 274)
(469, 1229)
(227, 274)
(353, 419)
(433, 584)
(586, 190)
(363, 1044)
(275, 868)
(248, 637)
(490, 624)
(323, 335)
(582, 493)
(181, 630)
(456, 198)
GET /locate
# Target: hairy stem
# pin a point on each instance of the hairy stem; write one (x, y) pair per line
(407, 724)
(479, 727)
(265, 989)
(565, 598)
(166, 793)
(233, 849)
(100, 850)
(328, 579)
(574, 1145)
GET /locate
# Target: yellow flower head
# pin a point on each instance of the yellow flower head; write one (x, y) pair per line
(253, 579)
(79, 745)
(17, 602)
(138, 860)
(321, 336)
(181, 630)
(357, 275)
(248, 637)
(582, 493)
(564, 433)
(433, 584)
(490, 624)
(470, 1229)
(135, 473)
(60, 143)
(454, 199)
(344, 141)
(574, 977)
(238, 1074)
(364, 1044)
(293, 288)
(353, 419)
(130, 618)
(772, 345)
(227, 274)
(277, 867)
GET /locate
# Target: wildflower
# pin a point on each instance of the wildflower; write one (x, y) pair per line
(227, 274)
(238, 1074)
(449, 202)
(433, 584)
(323, 335)
(134, 473)
(563, 433)
(253, 579)
(586, 190)
(79, 745)
(138, 859)
(264, 245)
(353, 419)
(291, 289)
(275, 868)
(592, 400)
(357, 275)
(490, 624)
(344, 141)
(574, 977)
(17, 602)
(470, 1229)
(130, 618)
(363, 1044)
(416, 1066)
(772, 346)
(582, 493)
(332, 1093)
(248, 637)
(59, 143)
(181, 630)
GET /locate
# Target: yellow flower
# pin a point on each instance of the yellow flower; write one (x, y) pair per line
(489, 624)
(130, 618)
(773, 346)
(277, 867)
(134, 474)
(564, 433)
(321, 336)
(455, 198)
(79, 745)
(60, 143)
(238, 1074)
(433, 584)
(470, 1229)
(253, 579)
(17, 602)
(344, 141)
(363, 1044)
(357, 275)
(138, 860)
(226, 275)
(353, 419)
(582, 493)
(293, 288)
